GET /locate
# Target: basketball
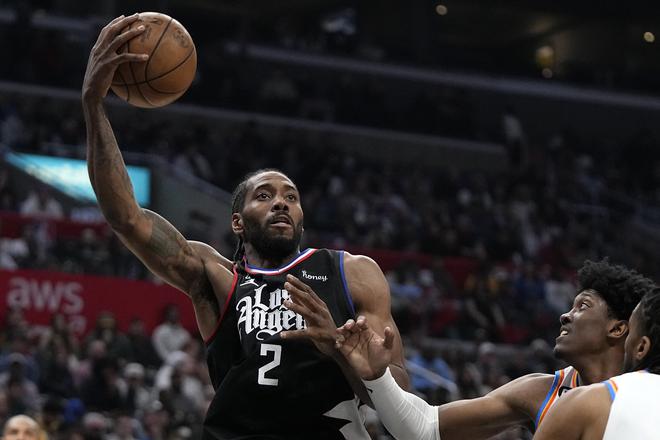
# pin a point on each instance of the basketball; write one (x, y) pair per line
(168, 72)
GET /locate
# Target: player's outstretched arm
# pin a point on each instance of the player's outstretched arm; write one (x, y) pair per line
(404, 415)
(153, 239)
(515, 403)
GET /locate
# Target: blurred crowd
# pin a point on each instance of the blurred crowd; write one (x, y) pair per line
(109, 384)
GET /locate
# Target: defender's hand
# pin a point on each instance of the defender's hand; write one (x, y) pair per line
(104, 59)
(321, 328)
(367, 352)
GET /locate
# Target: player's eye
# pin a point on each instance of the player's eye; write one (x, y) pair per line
(263, 196)
(292, 197)
(584, 305)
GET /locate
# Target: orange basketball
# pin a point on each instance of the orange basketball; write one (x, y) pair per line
(168, 72)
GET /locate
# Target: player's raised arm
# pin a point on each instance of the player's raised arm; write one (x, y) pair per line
(152, 238)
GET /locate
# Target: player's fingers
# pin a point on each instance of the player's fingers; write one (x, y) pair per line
(295, 334)
(113, 28)
(362, 322)
(302, 310)
(300, 296)
(389, 338)
(127, 57)
(117, 26)
(122, 38)
(348, 324)
(114, 20)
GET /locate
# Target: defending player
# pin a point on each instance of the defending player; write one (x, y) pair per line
(626, 406)
(591, 339)
(266, 387)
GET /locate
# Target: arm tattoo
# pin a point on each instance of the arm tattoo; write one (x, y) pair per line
(165, 241)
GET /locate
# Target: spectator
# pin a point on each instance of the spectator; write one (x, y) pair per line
(106, 330)
(124, 429)
(23, 392)
(21, 427)
(138, 396)
(56, 378)
(105, 390)
(40, 203)
(140, 346)
(170, 336)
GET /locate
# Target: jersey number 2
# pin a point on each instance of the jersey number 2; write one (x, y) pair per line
(277, 351)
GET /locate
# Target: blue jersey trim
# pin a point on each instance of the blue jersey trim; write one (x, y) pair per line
(610, 388)
(555, 382)
(343, 280)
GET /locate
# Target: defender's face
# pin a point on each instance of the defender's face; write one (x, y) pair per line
(584, 328)
(272, 216)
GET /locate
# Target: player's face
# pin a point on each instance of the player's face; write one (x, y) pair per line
(584, 328)
(272, 217)
(635, 343)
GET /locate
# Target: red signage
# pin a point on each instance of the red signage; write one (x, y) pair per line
(81, 298)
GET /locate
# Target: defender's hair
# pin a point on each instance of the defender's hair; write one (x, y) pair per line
(620, 287)
(649, 312)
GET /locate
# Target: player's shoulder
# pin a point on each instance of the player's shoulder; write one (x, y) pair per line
(209, 254)
(359, 262)
(218, 270)
(588, 399)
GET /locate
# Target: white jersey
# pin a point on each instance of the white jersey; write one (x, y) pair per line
(635, 406)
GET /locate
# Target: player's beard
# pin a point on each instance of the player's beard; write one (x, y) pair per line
(268, 245)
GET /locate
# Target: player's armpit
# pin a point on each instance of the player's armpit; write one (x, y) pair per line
(513, 404)
(371, 295)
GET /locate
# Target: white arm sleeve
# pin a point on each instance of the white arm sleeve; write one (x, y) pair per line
(405, 415)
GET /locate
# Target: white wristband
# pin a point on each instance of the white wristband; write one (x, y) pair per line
(405, 415)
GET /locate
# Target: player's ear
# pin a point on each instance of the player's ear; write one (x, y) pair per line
(237, 223)
(643, 348)
(619, 329)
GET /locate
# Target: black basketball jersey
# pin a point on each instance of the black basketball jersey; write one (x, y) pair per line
(271, 388)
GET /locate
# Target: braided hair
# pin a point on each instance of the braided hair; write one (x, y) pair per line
(620, 287)
(237, 203)
(649, 313)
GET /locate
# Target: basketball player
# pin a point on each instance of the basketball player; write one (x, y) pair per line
(266, 387)
(625, 406)
(21, 428)
(591, 339)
